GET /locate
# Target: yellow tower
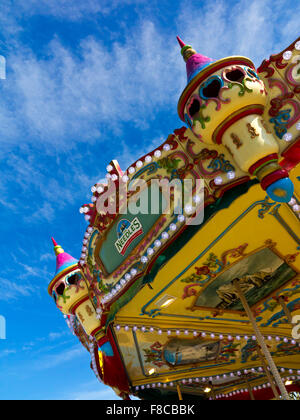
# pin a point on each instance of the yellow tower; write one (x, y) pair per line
(70, 292)
(223, 103)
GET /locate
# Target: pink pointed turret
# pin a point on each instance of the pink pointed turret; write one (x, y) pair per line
(194, 62)
(63, 260)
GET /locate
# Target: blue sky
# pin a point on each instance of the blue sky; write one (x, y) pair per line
(88, 82)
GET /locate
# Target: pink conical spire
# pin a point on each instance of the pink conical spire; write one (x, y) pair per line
(63, 260)
(180, 42)
(195, 62)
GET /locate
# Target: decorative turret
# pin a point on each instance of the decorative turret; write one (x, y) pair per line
(70, 291)
(71, 294)
(223, 103)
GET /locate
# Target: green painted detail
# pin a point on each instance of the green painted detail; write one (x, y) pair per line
(200, 117)
(264, 164)
(242, 86)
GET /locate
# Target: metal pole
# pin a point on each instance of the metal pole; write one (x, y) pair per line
(179, 392)
(268, 375)
(249, 389)
(261, 341)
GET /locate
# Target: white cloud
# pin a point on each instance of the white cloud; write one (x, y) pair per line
(10, 290)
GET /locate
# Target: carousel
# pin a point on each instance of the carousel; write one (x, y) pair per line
(170, 309)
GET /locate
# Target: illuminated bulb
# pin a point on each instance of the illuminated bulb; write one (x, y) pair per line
(144, 259)
(157, 153)
(173, 226)
(125, 178)
(207, 390)
(114, 177)
(165, 235)
(139, 164)
(181, 218)
(218, 180)
(127, 276)
(287, 55)
(93, 189)
(292, 202)
(109, 168)
(230, 175)
(148, 159)
(296, 207)
(133, 271)
(157, 243)
(100, 189)
(188, 209)
(108, 176)
(166, 147)
(287, 137)
(150, 251)
(131, 170)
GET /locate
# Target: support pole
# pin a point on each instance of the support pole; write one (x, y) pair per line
(261, 341)
(179, 392)
(268, 375)
(212, 392)
(249, 389)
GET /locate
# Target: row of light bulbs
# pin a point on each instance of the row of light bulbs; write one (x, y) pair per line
(195, 333)
(294, 206)
(208, 380)
(94, 364)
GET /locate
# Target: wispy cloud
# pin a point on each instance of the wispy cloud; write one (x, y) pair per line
(9, 290)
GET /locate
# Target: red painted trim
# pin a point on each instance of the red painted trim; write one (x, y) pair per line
(79, 303)
(291, 155)
(260, 162)
(235, 118)
(273, 177)
(94, 332)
